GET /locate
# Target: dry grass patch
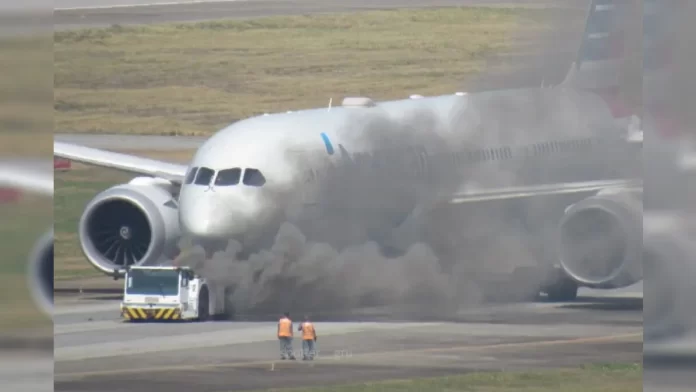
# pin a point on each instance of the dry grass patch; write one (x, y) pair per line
(26, 94)
(195, 78)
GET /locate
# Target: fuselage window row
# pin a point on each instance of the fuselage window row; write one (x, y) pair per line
(418, 161)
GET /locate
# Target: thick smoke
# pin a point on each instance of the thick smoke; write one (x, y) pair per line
(369, 242)
(669, 232)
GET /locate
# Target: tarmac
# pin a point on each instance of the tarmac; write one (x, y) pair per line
(96, 350)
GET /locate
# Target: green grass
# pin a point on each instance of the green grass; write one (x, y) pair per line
(73, 190)
(194, 78)
(591, 378)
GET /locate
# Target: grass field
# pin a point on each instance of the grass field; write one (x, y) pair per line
(591, 378)
(26, 94)
(73, 190)
(195, 78)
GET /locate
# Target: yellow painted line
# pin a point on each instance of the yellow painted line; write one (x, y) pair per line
(598, 339)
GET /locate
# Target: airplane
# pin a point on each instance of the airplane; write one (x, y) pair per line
(34, 177)
(254, 170)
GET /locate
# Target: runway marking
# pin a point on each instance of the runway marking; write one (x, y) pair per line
(201, 367)
(168, 3)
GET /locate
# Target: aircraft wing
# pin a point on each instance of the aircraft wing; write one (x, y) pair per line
(487, 194)
(35, 177)
(124, 162)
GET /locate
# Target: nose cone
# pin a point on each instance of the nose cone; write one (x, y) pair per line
(209, 215)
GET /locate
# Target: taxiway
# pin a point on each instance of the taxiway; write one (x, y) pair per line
(95, 350)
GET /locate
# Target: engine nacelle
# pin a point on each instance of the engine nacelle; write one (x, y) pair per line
(131, 224)
(601, 240)
(40, 273)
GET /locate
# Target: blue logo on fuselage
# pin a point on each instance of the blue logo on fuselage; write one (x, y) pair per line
(327, 143)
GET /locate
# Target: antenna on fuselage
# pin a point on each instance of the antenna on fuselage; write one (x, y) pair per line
(329, 108)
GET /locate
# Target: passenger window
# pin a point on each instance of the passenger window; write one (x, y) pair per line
(204, 176)
(228, 177)
(253, 177)
(191, 175)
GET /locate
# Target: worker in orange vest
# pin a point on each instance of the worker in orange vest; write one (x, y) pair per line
(309, 337)
(285, 336)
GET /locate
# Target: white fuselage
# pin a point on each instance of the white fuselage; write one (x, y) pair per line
(529, 133)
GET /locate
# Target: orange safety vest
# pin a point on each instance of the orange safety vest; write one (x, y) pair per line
(284, 328)
(308, 332)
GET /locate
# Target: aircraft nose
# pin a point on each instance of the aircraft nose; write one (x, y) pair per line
(200, 225)
(202, 215)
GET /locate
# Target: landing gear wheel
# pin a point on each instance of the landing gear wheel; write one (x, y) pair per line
(203, 306)
(526, 284)
(562, 291)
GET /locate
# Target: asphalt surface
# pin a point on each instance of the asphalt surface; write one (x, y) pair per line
(72, 14)
(94, 350)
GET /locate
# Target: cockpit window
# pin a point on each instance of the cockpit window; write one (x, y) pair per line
(228, 177)
(204, 176)
(191, 175)
(253, 177)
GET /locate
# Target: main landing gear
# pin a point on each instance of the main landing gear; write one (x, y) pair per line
(528, 283)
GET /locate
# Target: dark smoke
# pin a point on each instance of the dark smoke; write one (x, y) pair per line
(367, 246)
(369, 243)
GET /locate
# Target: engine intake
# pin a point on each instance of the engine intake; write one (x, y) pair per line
(601, 240)
(130, 224)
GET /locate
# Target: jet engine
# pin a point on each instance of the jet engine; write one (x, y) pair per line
(131, 224)
(601, 241)
(40, 273)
